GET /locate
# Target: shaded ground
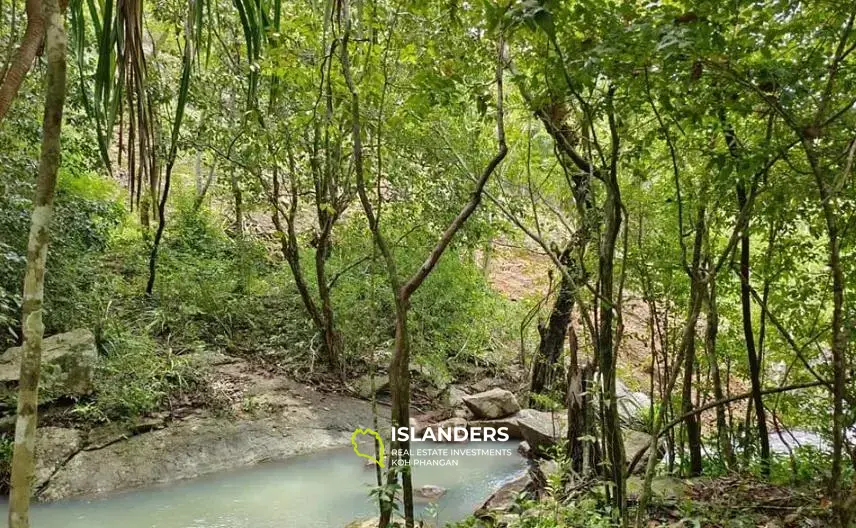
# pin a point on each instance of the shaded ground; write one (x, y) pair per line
(742, 501)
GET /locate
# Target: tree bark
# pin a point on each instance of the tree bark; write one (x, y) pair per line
(612, 439)
(332, 337)
(239, 204)
(697, 295)
(24, 57)
(323, 317)
(23, 458)
(580, 451)
(843, 506)
(547, 366)
(711, 332)
(186, 65)
(749, 337)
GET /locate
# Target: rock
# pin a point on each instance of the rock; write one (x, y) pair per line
(430, 492)
(68, 364)
(512, 423)
(364, 523)
(104, 435)
(464, 414)
(540, 472)
(664, 487)
(371, 522)
(541, 430)
(632, 406)
(423, 421)
(505, 497)
(524, 450)
(633, 442)
(210, 358)
(436, 377)
(548, 468)
(189, 448)
(486, 383)
(509, 423)
(54, 446)
(363, 385)
(495, 403)
(455, 396)
(449, 425)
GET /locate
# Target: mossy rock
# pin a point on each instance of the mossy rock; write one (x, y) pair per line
(68, 365)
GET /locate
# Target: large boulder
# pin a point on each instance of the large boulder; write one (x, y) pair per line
(505, 497)
(68, 364)
(633, 407)
(512, 423)
(541, 430)
(491, 404)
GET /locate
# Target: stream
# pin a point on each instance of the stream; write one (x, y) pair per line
(326, 489)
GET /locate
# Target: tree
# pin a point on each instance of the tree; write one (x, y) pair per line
(399, 370)
(23, 459)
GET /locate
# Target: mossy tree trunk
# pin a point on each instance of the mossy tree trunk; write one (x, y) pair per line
(23, 459)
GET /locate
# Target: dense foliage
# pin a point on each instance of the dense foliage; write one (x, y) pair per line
(253, 176)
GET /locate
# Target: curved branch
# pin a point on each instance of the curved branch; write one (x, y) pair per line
(24, 57)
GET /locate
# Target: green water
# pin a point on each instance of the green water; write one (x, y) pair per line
(327, 489)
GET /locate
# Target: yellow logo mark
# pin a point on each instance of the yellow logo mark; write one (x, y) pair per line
(377, 437)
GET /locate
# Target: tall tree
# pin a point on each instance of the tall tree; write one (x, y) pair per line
(23, 458)
(403, 290)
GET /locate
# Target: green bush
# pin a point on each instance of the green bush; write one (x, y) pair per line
(134, 377)
(454, 315)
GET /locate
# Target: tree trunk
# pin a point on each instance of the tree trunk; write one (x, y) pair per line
(692, 423)
(749, 337)
(184, 87)
(843, 505)
(687, 342)
(399, 388)
(580, 423)
(612, 439)
(332, 338)
(696, 296)
(711, 332)
(24, 57)
(399, 371)
(547, 366)
(576, 406)
(23, 459)
(239, 204)
(322, 318)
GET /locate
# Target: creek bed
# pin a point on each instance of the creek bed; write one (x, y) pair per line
(326, 489)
